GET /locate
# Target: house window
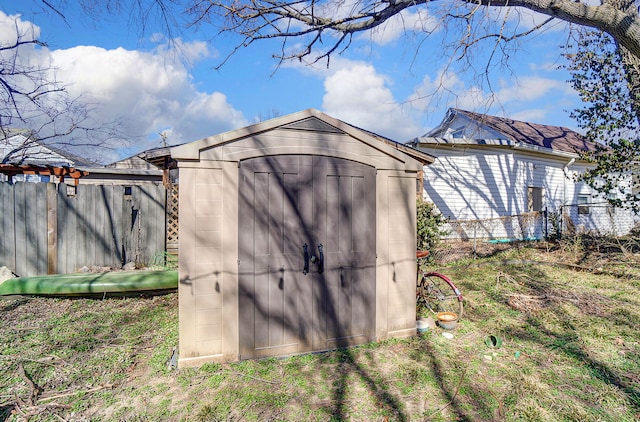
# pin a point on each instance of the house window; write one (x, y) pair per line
(583, 204)
(534, 199)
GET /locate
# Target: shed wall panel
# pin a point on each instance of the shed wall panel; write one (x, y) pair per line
(206, 309)
(402, 244)
(396, 264)
(208, 252)
(187, 291)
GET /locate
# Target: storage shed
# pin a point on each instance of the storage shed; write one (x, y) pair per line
(297, 234)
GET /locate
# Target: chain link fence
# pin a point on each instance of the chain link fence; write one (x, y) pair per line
(599, 222)
(595, 219)
(529, 226)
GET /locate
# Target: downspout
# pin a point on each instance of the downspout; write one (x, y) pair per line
(564, 189)
(566, 176)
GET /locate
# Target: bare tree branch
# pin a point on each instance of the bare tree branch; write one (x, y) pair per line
(33, 102)
(266, 19)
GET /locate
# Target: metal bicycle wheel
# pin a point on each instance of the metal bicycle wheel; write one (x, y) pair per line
(439, 294)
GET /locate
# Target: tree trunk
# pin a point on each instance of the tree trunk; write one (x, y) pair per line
(630, 62)
(631, 65)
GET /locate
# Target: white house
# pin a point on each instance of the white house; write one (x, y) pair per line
(25, 159)
(509, 174)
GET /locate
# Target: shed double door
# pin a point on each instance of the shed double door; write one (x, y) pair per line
(307, 254)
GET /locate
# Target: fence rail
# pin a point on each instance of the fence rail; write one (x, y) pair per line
(47, 228)
(598, 219)
(532, 225)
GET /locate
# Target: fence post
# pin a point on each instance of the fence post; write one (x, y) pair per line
(52, 229)
(546, 223)
(561, 223)
(475, 237)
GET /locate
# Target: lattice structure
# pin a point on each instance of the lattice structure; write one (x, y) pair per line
(172, 219)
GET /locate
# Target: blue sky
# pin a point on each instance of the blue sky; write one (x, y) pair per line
(379, 84)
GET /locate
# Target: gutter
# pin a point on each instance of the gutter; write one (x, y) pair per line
(523, 146)
(437, 141)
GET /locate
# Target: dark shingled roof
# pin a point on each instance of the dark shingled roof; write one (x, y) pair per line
(556, 138)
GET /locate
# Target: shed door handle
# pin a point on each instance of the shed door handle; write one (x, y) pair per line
(305, 250)
(321, 262)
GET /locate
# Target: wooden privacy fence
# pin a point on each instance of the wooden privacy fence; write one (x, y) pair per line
(47, 228)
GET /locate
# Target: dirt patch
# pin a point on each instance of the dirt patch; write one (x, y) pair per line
(27, 313)
(58, 352)
(588, 304)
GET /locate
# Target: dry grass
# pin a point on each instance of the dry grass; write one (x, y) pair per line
(570, 351)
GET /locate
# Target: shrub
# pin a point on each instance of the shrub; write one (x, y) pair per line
(429, 225)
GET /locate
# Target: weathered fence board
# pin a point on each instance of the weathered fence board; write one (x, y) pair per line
(6, 220)
(28, 232)
(102, 225)
(7, 226)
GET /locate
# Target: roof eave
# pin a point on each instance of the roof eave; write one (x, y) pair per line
(439, 141)
(528, 147)
(453, 142)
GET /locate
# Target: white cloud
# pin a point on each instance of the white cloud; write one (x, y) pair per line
(473, 98)
(529, 98)
(178, 50)
(403, 23)
(150, 91)
(208, 114)
(534, 115)
(530, 88)
(12, 26)
(523, 19)
(360, 96)
(357, 94)
(443, 88)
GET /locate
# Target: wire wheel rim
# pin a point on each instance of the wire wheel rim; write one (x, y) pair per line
(437, 294)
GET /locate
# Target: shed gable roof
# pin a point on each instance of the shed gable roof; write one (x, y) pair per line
(554, 138)
(309, 120)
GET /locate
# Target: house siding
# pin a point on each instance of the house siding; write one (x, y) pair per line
(488, 184)
(467, 183)
(602, 219)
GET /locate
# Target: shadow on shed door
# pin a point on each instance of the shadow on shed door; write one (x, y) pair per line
(327, 204)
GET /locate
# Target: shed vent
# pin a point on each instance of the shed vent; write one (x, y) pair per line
(312, 124)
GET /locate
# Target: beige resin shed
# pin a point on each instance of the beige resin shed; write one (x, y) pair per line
(297, 234)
